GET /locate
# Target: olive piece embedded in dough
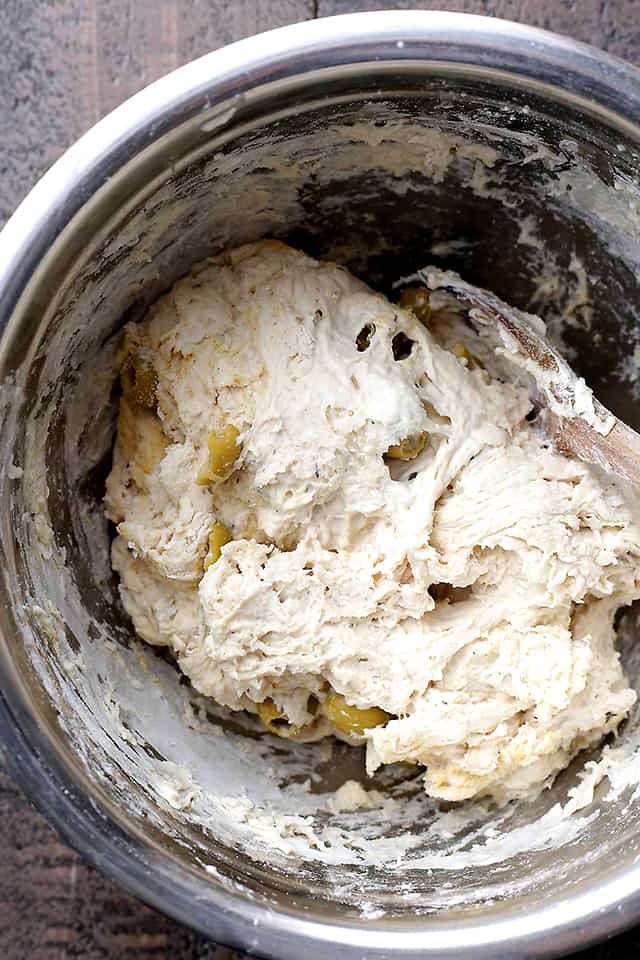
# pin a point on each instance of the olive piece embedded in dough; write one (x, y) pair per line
(349, 719)
(274, 719)
(460, 350)
(218, 536)
(409, 448)
(224, 450)
(417, 300)
(139, 381)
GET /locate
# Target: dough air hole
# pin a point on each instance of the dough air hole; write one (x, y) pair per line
(279, 722)
(447, 593)
(406, 575)
(439, 418)
(401, 346)
(404, 471)
(365, 336)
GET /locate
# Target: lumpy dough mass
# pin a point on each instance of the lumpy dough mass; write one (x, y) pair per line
(336, 518)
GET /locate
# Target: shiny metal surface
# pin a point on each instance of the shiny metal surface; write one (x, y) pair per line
(154, 143)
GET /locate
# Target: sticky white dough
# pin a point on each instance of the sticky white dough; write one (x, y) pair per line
(469, 592)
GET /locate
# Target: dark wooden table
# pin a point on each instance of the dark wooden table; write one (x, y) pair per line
(64, 64)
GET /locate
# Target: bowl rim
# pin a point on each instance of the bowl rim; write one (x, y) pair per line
(611, 86)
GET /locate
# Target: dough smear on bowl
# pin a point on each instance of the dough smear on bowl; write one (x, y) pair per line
(337, 517)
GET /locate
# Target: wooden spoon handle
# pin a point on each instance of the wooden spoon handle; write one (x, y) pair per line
(618, 452)
(597, 437)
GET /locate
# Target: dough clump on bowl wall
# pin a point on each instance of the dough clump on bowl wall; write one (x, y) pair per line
(335, 515)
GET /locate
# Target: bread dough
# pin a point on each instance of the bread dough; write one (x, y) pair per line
(469, 593)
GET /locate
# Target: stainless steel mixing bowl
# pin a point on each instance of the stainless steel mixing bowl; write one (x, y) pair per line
(384, 140)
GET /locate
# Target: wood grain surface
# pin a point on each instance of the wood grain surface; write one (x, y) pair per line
(63, 65)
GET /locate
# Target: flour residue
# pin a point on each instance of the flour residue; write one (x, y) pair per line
(215, 780)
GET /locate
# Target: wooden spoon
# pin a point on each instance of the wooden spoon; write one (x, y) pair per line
(575, 422)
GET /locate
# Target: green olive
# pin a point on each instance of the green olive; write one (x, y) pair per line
(417, 300)
(274, 719)
(461, 351)
(224, 450)
(139, 381)
(409, 448)
(218, 536)
(349, 719)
